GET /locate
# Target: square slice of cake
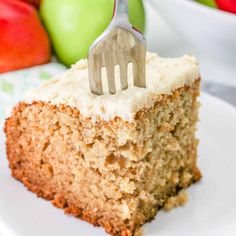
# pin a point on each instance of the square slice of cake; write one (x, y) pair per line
(112, 160)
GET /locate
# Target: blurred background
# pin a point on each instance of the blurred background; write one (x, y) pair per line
(39, 39)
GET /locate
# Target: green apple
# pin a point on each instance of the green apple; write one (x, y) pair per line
(73, 25)
(210, 3)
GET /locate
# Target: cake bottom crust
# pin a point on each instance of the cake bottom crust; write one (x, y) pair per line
(59, 201)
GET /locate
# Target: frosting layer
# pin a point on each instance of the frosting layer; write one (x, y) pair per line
(163, 75)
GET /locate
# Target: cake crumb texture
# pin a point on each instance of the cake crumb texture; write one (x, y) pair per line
(116, 174)
(176, 201)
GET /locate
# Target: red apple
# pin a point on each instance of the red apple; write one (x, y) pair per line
(227, 5)
(35, 3)
(23, 40)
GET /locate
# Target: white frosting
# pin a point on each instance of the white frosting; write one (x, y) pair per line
(163, 75)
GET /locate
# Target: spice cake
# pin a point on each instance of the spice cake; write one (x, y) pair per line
(112, 160)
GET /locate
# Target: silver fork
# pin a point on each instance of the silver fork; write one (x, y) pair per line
(119, 45)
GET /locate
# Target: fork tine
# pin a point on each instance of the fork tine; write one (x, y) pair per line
(139, 70)
(111, 79)
(95, 79)
(123, 74)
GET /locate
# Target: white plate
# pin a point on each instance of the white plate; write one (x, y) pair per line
(211, 209)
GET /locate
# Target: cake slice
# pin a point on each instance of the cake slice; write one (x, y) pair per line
(112, 160)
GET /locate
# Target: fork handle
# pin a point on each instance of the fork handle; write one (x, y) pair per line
(121, 9)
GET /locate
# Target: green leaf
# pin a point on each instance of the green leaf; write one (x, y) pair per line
(6, 86)
(45, 75)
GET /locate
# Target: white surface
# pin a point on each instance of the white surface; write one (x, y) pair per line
(163, 75)
(211, 35)
(211, 209)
